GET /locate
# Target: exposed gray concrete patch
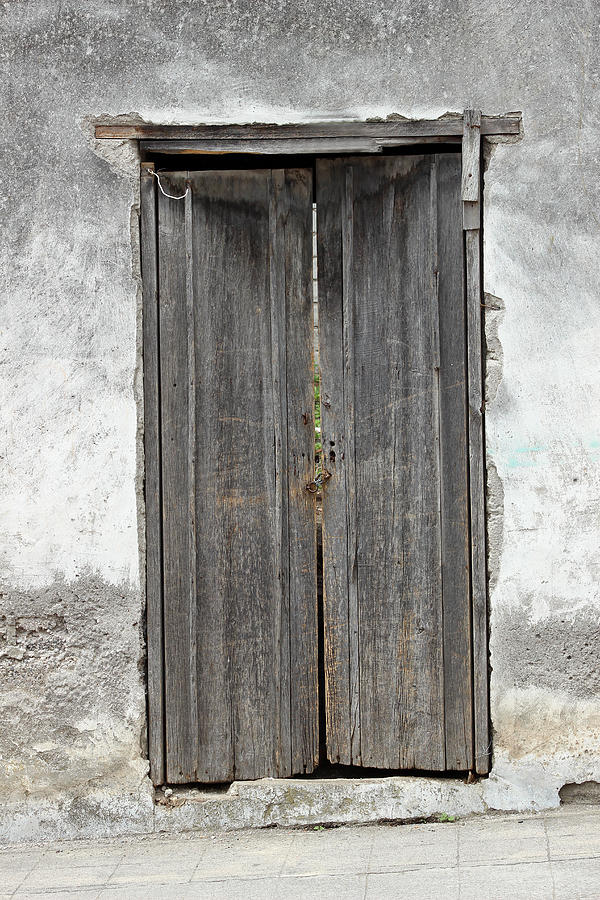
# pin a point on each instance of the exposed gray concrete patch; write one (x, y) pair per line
(586, 792)
(494, 310)
(539, 649)
(495, 521)
(493, 314)
(71, 700)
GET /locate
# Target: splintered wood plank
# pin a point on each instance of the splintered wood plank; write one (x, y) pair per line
(295, 211)
(477, 490)
(454, 469)
(471, 195)
(281, 567)
(349, 379)
(248, 498)
(271, 146)
(178, 569)
(331, 186)
(152, 477)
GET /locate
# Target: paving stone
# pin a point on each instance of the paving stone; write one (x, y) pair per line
(174, 870)
(393, 848)
(50, 878)
(144, 891)
(323, 887)
(574, 837)
(424, 883)
(576, 879)
(255, 855)
(341, 850)
(511, 840)
(518, 881)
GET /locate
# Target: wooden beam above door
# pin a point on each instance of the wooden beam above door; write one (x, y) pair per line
(317, 137)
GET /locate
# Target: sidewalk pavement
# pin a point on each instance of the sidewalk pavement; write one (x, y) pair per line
(548, 855)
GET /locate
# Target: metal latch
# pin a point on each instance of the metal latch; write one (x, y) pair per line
(313, 486)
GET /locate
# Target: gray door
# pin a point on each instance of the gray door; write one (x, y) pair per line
(232, 563)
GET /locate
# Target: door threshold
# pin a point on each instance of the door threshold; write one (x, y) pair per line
(306, 802)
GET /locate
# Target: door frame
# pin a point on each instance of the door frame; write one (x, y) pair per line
(314, 140)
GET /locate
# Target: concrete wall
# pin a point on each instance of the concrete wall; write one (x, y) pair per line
(72, 707)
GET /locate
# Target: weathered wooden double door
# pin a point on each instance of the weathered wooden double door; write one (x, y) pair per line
(235, 535)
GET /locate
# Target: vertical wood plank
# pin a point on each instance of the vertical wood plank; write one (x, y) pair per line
(216, 750)
(281, 572)
(191, 461)
(349, 378)
(330, 190)
(471, 223)
(397, 461)
(154, 614)
(454, 468)
(436, 423)
(296, 201)
(477, 491)
(239, 563)
(180, 693)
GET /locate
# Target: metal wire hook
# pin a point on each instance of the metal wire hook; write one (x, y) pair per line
(164, 193)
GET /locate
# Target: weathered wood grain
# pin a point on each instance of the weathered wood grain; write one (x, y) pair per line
(152, 483)
(278, 146)
(421, 129)
(470, 155)
(234, 455)
(349, 383)
(190, 311)
(397, 458)
(267, 146)
(281, 569)
(180, 681)
(471, 195)
(295, 210)
(477, 492)
(454, 469)
(330, 183)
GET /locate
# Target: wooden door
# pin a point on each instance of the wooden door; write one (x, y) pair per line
(232, 611)
(394, 416)
(237, 449)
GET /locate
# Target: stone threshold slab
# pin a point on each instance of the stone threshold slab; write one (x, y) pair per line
(300, 802)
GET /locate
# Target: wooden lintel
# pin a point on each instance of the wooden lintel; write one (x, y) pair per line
(424, 130)
(263, 146)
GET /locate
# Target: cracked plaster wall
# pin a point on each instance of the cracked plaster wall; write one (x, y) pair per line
(72, 706)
